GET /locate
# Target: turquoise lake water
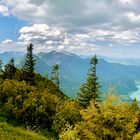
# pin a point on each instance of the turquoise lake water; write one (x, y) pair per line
(136, 93)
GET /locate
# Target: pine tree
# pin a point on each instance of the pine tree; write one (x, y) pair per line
(9, 70)
(55, 75)
(28, 68)
(135, 105)
(90, 90)
(1, 69)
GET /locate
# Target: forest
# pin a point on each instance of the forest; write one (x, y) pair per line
(35, 103)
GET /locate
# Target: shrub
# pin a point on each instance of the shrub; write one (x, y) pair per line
(114, 120)
(39, 109)
(67, 114)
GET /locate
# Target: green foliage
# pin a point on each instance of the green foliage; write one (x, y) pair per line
(55, 75)
(114, 121)
(9, 70)
(45, 83)
(137, 136)
(8, 132)
(135, 105)
(39, 109)
(36, 103)
(11, 89)
(12, 96)
(1, 69)
(18, 75)
(67, 114)
(91, 89)
(28, 69)
(24, 104)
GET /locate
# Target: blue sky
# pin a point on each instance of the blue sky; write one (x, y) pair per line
(105, 27)
(9, 27)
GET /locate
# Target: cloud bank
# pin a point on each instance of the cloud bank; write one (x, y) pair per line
(107, 27)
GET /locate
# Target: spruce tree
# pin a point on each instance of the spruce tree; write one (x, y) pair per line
(90, 90)
(135, 105)
(9, 70)
(1, 69)
(55, 75)
(28, 68)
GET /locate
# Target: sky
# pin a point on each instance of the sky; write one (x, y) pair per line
(109, 28)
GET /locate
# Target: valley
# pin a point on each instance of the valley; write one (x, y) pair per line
(74, 69)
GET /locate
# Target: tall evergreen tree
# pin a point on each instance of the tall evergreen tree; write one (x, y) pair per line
(1, 69)
(55, 75)
(135, 105)
(90, 90)
(9, 70)
(28, 68)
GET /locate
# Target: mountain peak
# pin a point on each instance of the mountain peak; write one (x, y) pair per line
(68, 53)
(54, 52)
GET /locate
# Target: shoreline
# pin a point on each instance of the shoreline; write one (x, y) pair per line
(136, 94)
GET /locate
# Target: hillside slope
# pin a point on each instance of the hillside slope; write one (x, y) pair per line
(8, 132)
(74, 69)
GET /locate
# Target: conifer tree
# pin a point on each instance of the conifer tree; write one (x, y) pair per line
(28, 68)
(55, 75)
(90, 90)
(9, 70)
(135, 105)
(1, 69)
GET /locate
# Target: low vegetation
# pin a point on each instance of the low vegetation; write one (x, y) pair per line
(30, 101)
(8, 132)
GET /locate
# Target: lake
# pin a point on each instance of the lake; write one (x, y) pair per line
(136, 93)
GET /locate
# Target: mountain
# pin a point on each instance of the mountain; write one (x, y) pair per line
(124, 61)
(74, 69)
(6, 56)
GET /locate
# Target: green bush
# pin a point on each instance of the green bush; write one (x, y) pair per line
(114, 120)
(39, 109)
(67, 114)
(24, 104)
(12, 96)
(137, 136)
(14, 90)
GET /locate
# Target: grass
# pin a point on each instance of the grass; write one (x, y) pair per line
(8, 132)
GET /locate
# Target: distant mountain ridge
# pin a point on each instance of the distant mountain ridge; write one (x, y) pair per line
(74, 69)
(6, 56)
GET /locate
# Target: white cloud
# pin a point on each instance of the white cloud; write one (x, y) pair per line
(48, 38)
(77, 25)
(7, 42)
(50, 42)
(10, 45)
(61, 47)
(126, 1)
(133, 17)
(4, 10)
(77, 15)
(74, 13)
(39, 33)
(27, 9)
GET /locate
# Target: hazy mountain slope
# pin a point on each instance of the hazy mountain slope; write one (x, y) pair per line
(124, 61)
(73, 71)
(6, 56)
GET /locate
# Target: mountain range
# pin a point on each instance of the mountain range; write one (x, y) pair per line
(74, 69)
